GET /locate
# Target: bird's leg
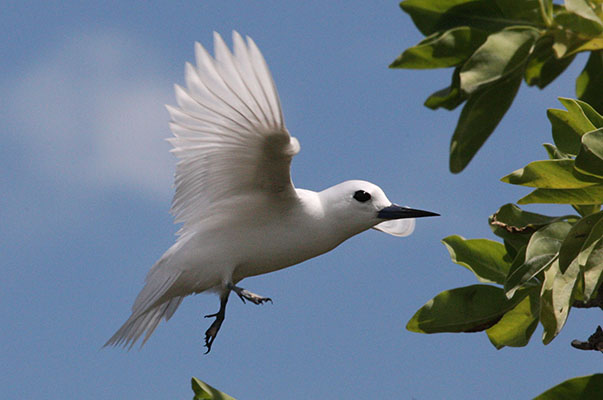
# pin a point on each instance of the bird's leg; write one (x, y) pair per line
(245, 294)
(212, 332)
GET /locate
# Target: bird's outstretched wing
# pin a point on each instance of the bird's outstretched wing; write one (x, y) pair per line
(229, 132)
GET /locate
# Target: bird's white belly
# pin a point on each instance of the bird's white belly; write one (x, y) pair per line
(232, 252)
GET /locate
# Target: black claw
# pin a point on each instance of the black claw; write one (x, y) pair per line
(208, 342)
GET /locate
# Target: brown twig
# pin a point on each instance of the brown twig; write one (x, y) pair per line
(594, 302)
(595, 341)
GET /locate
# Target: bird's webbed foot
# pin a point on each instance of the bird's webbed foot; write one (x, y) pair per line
(245, 294)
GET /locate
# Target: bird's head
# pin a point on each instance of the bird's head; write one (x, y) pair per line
(356, 206)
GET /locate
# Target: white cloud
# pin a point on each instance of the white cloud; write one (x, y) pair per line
(90, 112)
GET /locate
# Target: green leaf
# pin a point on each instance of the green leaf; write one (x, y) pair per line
(541, 251)
(578, 24)
(438, 15)
(589, 84)
(485, 258)
(575, 239)
(518, 324)
(554, 153)
(566, 137)
(556, 298)
(516, 226)
(205, 392)
(567, 42)
(450, 97)
(582, 388)
(581, 114)
(521, 11)
(502, 55)
(593, 116)
(591, 45)
(591, 260)
(543, 67)
(550, 174)
(569, 126)
(444, 50)
(589, 195)
(587, 209)
(466, 309)
(590, 157)
(585, 11)
(479, 117)
(593, 270)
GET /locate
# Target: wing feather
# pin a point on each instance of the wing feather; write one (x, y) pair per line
(229, 132)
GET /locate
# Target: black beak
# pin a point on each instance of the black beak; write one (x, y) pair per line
(397, 212)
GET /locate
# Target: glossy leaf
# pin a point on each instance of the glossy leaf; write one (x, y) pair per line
(567, 42)
(466, 309)
(582, 388)
(586, 209)
(590, 157)
(566, 138)
(480, 116)
(485, 258)
(205, 392)
(591, 260)
(593, 116)
(502, 55)
(569, 126)
(550, 174)
(575, 239)
(516, 226)
(556, 298)
(448, 98)
(593, 270)
(554, 153)
(543, 67)
(578, 24)
(516, 327)
(589, 84)
(589, 195)
(541, 250)
(582, 114)
(583, 9)
(526, 11)
(444, 50)
(438, 15)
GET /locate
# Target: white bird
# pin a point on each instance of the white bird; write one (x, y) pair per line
(241, 214)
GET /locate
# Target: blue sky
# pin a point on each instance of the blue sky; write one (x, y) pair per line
(86, 182)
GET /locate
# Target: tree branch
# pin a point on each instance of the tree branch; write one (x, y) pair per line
(594, 302)
(595, 341)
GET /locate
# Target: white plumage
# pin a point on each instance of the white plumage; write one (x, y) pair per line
(240, 212)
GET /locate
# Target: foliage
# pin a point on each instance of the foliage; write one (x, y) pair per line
(205, 392)
(545, 265)
(581, 388)
(495, 44)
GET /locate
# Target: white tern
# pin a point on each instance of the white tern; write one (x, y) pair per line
(240, 212)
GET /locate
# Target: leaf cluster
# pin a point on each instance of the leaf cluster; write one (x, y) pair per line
(545, 264)
(494, 45)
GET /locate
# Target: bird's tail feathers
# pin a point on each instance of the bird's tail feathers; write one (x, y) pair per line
(137, 324)
(151, 305)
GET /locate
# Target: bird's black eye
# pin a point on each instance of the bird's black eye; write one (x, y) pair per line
(362, 196)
